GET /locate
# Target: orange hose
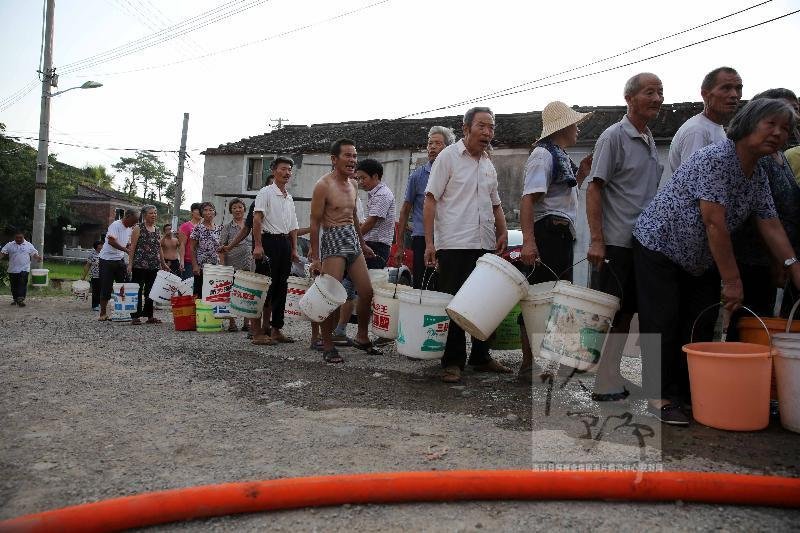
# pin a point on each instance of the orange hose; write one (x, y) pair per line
(272, 495)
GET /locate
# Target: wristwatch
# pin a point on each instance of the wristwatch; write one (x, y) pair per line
(789, 262)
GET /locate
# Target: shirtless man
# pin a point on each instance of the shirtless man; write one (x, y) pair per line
(333, 208)
(170, 247)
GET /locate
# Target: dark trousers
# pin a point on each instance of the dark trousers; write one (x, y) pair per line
(197, 284)
(455, 266)
(556, 249)
(94, 283)
(188, 271)
(278, 250)
(174, 266)
(420, 278)
(19, 285)
(111, 271)
(759, 295)
(381, 250)
(145, 278)
(670, 300)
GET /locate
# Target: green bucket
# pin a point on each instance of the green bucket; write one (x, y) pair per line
(206, 322)
(506, 336)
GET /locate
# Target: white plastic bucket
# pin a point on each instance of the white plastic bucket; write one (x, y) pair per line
(81, 289)
(165, 287)
(577, 326)
(40, 277)
(386, 309)
(296, 288)
(217, 283)
(322, 298)
(489, 294)
(536, 308)
(423, 324)
(787, 374)
(248, 294)
(186, 287)
(126, 296)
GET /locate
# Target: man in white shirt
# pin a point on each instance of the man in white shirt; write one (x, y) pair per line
(112, 257)
(721, 91)
(275, 237)
(19, 253)
(464, 220)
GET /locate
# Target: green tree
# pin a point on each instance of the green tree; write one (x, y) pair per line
(98, 175)
(145, 169)
(169, 193)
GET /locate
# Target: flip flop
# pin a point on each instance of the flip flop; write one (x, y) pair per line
(332, 356)
(365, 347)
(153, 321)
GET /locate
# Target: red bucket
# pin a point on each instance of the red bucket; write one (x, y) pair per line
(183, 313)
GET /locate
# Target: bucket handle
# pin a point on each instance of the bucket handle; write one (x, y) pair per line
(791, 316)
(424, 285)
(539, 261)
(725, 326)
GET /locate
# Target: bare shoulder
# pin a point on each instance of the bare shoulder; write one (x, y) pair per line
(322, 185)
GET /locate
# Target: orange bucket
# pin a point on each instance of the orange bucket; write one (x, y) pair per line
(730, 384)
(751, 330)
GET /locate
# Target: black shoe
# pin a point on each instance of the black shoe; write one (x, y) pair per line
(670, 414)
(21, 302)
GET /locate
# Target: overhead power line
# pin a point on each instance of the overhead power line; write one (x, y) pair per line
(508, 91)
(21, 93)
(250, 43)
(201, 21)
(106, 148)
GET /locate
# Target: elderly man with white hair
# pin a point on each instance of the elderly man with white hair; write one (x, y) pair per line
(438, 138)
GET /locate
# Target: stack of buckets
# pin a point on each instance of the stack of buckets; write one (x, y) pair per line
(216, 296)
(565, 323)
(731, 381)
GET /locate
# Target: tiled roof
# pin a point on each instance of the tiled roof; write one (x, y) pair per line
(513, 130)
(89, 191)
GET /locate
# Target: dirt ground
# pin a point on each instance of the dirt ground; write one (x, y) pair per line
(95, 410)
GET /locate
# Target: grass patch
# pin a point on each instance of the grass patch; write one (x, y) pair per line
(70, 271)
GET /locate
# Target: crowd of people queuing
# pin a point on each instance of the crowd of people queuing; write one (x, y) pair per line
(726, 224)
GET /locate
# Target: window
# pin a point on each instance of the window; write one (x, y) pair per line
(257, 172)
(119, 214)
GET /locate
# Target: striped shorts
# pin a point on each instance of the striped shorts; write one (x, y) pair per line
(341, 241)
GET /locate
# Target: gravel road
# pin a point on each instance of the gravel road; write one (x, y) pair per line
(95, 410)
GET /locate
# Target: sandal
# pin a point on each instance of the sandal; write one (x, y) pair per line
(136, 322)
(232, 328)
(153, 320)
(104, 318)
(332, 356)
(316, 345)
(263, 341)
(366, 347)
(611, 396)
(280, 337)
(451, 374)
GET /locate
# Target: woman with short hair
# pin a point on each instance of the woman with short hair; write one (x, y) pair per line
(682, 247)
(204, 245)
(144, 262)
(240, 256)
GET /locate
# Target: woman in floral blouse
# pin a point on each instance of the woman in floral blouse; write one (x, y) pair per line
(92, 269)
(144, 262)
(682, 247)
(204, 245)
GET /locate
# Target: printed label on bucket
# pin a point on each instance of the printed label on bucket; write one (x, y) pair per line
(293, 297)
(380, 316)
(575, 334)
(219, 291)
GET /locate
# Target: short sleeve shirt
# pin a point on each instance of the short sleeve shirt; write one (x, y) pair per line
(559, 199)
(672, 223)
(278, 210)
(465, 190)
(19, 256)
(207, 243)
(94, 264)
(415, 195)
(123, 237)
(186, 228)
(697, 132)
(380, 203)
(627, 163)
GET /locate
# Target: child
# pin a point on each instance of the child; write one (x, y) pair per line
(92, 267)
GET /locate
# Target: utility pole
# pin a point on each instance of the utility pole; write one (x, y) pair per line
(176, 206)
(40, 193)
(279, 122)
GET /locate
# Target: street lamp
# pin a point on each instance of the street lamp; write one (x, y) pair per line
(49, 79)
(87, 85)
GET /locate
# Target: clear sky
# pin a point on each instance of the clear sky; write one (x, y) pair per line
(389, 60)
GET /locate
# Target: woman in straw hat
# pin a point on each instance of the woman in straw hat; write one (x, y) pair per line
(549, 205)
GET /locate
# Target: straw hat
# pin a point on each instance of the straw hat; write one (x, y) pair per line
(557, 116)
